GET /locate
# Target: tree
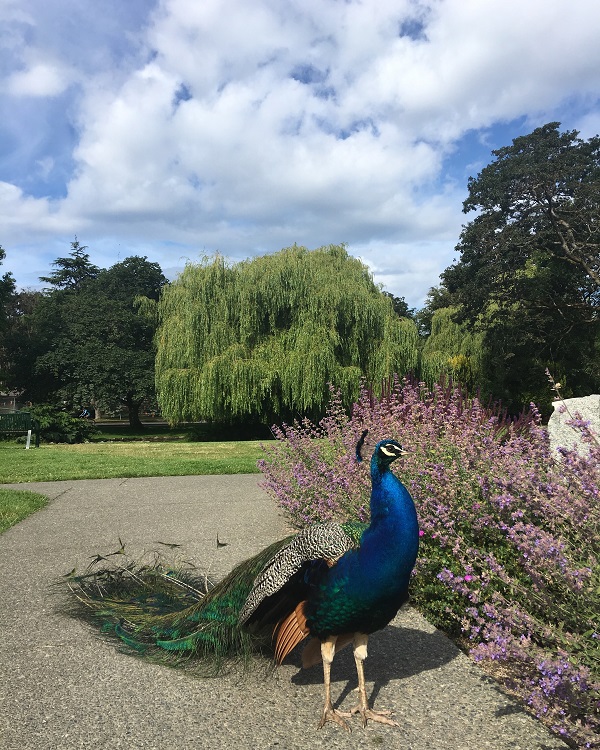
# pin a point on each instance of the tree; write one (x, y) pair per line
(528, 273)
(400, 306)
(262, 339)
(452, 352)
(22, 346)
(89, 343)
(72, 273)
(544, 190)
(438, 298)
(127, 359)
(7, 291)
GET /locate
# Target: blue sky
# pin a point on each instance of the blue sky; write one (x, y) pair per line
(175, 129)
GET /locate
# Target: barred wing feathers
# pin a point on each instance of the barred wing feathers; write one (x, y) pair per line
(325, 541)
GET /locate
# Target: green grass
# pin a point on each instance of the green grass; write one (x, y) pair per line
(125, 459)
(119, 451)
(15, 505)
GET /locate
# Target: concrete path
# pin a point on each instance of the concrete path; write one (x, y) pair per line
(63, 688)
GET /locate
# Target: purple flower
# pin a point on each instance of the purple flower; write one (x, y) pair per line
(495, 503)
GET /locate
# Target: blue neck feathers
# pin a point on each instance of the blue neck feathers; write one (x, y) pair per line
(392, 539)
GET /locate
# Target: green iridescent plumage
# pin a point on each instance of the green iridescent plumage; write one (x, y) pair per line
(176, 613)
(171, 612)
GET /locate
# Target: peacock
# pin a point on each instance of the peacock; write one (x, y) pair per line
(331, 584)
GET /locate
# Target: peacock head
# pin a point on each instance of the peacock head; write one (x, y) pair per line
(384, 452)
(387, 451)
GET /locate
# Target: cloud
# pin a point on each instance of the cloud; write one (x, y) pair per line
(40, 80)
(243, 128)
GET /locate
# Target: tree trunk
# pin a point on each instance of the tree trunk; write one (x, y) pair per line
(133, 408)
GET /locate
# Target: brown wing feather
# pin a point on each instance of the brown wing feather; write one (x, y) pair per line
(290, 632)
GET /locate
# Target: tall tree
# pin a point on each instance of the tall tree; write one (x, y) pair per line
(23, 345)
(90, 344)
(528, 273)
(400, 306)
(7, 291)
(72, 272)
(263, 339)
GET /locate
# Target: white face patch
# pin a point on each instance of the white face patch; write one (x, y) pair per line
(388, 452)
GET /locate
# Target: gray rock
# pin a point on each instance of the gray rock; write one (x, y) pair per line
(565, 435)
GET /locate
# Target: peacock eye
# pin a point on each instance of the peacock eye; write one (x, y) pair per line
(389, 450)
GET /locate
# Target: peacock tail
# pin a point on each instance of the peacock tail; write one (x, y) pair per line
(174, 613)
(329, 579)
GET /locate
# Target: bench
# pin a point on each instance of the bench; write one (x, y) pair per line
(20, 422)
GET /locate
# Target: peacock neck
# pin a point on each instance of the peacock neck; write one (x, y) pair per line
(393, 516)
(389, 497)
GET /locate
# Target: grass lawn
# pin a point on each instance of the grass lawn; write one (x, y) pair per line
(15, 505)
(118, 451)
(125, 459)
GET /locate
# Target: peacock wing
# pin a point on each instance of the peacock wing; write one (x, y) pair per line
(324, 541)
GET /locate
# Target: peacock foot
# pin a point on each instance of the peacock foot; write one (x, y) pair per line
(368, 713)
(338, 717)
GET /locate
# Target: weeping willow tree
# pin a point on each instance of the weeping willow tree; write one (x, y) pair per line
(264, 338)
(452, 351)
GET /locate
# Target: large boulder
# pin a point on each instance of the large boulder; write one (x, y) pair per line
(566, 435)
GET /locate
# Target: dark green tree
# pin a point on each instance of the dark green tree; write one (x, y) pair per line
(74, 271)
(88, 342)
(7, 291)
(22, 346)
(400, 306)
(438, 298)
(262, 339)
(529, 267)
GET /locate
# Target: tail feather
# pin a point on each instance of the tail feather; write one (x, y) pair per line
(174, 612)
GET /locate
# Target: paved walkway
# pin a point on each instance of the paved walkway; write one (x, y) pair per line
(63, 688)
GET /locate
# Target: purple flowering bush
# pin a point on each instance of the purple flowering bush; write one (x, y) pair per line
(509, 563)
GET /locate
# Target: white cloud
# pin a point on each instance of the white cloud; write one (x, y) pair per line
(245, 127)
(42, 79)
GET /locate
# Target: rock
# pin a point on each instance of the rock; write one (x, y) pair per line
(565, 435)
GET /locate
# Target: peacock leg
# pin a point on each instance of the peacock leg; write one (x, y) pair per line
(363, 708)
(329, 712)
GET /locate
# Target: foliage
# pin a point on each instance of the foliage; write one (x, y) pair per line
(400, 306)
(438, 297)
(74, 271)
(529, 269)
(7, 290)
(83, 342)
(452, 352)
(262, 338)
(57, 426)
(22, 347)
(510, 543)
(15, 505)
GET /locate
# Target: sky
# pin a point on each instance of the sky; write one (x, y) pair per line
(176, 129)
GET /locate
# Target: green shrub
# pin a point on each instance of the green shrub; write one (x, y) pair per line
(57, 426)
